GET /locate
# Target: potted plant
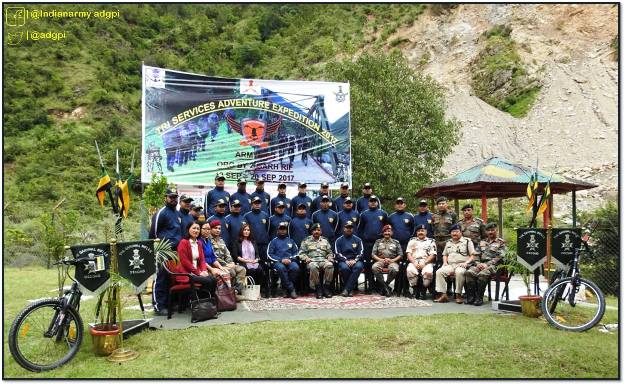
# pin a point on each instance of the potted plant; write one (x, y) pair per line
(530, 304)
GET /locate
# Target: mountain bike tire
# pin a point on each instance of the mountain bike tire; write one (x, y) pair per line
(35, 352)
(579, 316)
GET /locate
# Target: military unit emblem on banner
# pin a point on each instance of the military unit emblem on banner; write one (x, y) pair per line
(93, 278)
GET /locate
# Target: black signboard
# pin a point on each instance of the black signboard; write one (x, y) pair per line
(563, 245)
(86, 274)
(531, 247)
(136, 261)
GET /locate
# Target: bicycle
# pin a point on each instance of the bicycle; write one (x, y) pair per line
(571, 302)
(48, 333)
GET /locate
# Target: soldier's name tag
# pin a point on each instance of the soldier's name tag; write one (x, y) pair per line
(354, 245)
(290, 245)
(380, 217)
(306, 225)
(264, 221)
(406, 221)
(330, 220)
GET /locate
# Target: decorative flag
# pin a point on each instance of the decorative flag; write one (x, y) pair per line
(103, 185)
(532, 188)
(544, 201)
(123, 197)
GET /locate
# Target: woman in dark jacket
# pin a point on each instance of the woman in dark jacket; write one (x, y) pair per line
(245, 252)
(191, 256)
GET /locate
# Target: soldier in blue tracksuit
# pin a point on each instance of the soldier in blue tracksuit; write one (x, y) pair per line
(349, 256)
(186, 137)
(277, 218)
(301, 197)
(337, 205)
(185, 211)
(194, 139)
(213, 125)
(327, 218)
(165, 226)
(362, 204)
(299, 227)
(242, 196)
(424, 217)
(347, 214)
(282, 252)
(280, 197)
(316, 203)
(216, 194)
(220, 215)
(259, 224)
(403, 225)
(260, 192)
(370, 229)
(171, 143)
(234, 220)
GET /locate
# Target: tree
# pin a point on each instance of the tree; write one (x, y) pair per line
(400, 135)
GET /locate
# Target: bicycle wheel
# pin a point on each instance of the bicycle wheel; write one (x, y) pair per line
(573, 307)
(33, 342)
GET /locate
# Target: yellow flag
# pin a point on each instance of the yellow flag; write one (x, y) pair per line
(123, 197)
(545, 200)
(103, 185)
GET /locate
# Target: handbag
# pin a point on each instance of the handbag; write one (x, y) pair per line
(251, 291)
(202, 309)
(226, 298)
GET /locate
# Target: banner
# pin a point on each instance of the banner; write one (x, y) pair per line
(563, 245)
(89, 280)
(136, 262)
(531, 247)
(196, 127)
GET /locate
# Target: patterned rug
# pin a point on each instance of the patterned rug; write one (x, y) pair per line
(336, 302)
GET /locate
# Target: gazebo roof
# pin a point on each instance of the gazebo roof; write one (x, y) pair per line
(498, 177)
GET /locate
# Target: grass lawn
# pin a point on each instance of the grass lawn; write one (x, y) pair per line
(433, 346)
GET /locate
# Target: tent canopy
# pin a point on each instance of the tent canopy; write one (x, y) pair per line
(498, 178)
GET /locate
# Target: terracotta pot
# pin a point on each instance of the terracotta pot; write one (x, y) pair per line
(105, 338)
(530, 305)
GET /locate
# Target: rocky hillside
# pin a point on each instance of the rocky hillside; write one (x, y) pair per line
(572, 126)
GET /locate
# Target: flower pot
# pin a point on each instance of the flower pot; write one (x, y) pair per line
(530, 305)
(105, 338)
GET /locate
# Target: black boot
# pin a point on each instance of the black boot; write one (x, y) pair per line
(424, 291)
(327, 291)
(469, 288)
(481, 286)
(319, 292)
(416, 292)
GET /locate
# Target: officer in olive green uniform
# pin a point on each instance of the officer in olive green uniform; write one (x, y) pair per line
(493, 251)
(472, 227)
(457, 256)
(224, 258)
(386, 252)
(316, 253)
(442, 221)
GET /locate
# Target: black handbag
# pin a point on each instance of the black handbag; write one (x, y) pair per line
(202, 309)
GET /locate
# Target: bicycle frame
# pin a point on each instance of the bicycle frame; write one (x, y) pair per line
(71, 298)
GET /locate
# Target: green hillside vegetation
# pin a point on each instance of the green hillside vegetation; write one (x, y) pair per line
(60, 96)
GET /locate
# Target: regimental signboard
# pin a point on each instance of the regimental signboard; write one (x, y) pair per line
(136, 262)
(531, 247)
(563, 245)
(196, 127)
(89, 278)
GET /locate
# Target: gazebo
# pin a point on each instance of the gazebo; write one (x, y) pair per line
(499, 178)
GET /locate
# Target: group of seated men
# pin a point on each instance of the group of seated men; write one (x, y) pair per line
(322, 235)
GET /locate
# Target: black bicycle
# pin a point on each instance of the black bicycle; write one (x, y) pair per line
(571, 302)
(48, 333)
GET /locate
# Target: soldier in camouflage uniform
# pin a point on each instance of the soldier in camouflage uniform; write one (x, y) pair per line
(316, 253)
(442, 221)
(386, 252)
(472, 227)
(224, 258)
(493, 251)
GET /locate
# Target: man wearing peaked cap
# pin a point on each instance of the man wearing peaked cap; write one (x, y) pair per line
(234, 221)
(262, 194)
(337, 204)
(299, 226)
(424, 217)
(349, 256)
(421, 253)
(477, 277)
(346, 214)
(280, 197)
(259, 224)
(242, 196)
(282, 252)
(324, 191)
(216, 194)
(316, 253)
(403, 229)
(327, 219)
(185, 211)
(277, 218)
(386, 253)
(363, 202)
(458, 255)
(442, 221)
(370, 225)
(301, 197)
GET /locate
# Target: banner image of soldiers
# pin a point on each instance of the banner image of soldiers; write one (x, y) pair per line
(196, 127)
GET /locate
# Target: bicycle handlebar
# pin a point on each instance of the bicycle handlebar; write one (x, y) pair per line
(74, 262)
